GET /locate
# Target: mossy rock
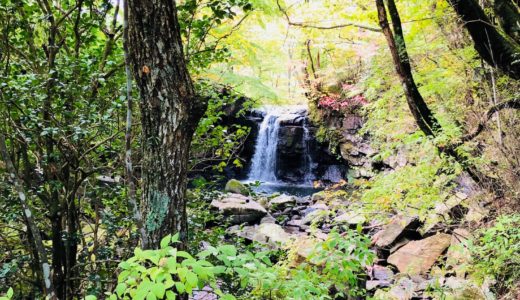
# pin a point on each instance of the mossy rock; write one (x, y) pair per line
(330, 196)
(235, 186)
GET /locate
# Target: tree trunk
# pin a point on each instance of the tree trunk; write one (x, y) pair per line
(509, 17)
(498, 50)
(420, 111)
(33, 230)
(170, 112)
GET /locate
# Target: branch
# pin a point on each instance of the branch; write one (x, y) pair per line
(511, 104)
(304, 25)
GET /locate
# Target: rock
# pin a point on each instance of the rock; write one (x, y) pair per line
(315, 216)
(268, 219)
(314, 207)
(295, 223)
(376, 284)
(305, 247)
(318, 196)
(351, 218)
(382, 273)
(352, 122)
(417, 257)
(239, 208)
(400, 242)
(281, 202)
(403, 290)
(235, 186)
(267, 233)
(303, 200)
(397, 160)
(462, 289)
(395, 229)
(291, 120)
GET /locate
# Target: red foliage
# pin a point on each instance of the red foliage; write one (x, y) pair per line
(337, 103)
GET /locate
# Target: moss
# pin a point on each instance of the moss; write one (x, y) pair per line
(235, 186)
(159, 203)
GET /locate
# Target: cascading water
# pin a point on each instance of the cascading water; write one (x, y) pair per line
(309, 176)
(263, 167)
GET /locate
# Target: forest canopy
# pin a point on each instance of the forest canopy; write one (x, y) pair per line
(263, 149)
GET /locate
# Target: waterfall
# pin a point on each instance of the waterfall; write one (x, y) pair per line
(309, 176)
(263, 167)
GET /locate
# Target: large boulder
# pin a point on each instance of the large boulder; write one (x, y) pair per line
(237, 187)
(394, 230)
(281, 202)
(266, 233)
(417, 257)
(239, 208)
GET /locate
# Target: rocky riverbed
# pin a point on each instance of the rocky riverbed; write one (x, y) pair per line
(413, 256)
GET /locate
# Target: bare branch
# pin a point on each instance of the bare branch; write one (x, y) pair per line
(305, 25)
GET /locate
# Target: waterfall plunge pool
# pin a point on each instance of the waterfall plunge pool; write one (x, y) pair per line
(300, 190)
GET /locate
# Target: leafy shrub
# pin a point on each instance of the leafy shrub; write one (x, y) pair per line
(496, 253)
(332, 270)
(165, 273)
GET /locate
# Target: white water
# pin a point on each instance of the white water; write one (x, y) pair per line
(263, 167)
(309, 177)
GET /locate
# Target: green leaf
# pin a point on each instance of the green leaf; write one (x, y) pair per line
(192, 279)
(10, 293)
(175, 238)
(228, 250)
(90, 297)
(179, 286)
(170, 295)
(165, 242)
(159, 290)
(151, 296)
(120, 289)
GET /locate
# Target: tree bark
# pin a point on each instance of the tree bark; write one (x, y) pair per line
(498, 50)
(170, 111)
(509, 17)
(129, 170)
(420, 110)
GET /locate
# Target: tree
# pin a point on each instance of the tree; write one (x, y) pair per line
(397, 45)
(170, 111)
(498, 47)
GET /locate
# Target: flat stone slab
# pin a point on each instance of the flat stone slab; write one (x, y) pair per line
(281, 202)
(417, 257)
(267, 233)
(351, 218)
(393, 230)
(239, 208)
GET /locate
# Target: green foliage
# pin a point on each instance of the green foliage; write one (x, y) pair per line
(414, 188)
(166, 273)
(336, 264)
(330, 136)
(495, 253)
(216, 144)
(8, 295)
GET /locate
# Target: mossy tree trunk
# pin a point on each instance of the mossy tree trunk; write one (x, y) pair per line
(496, 48)
(170, 111)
